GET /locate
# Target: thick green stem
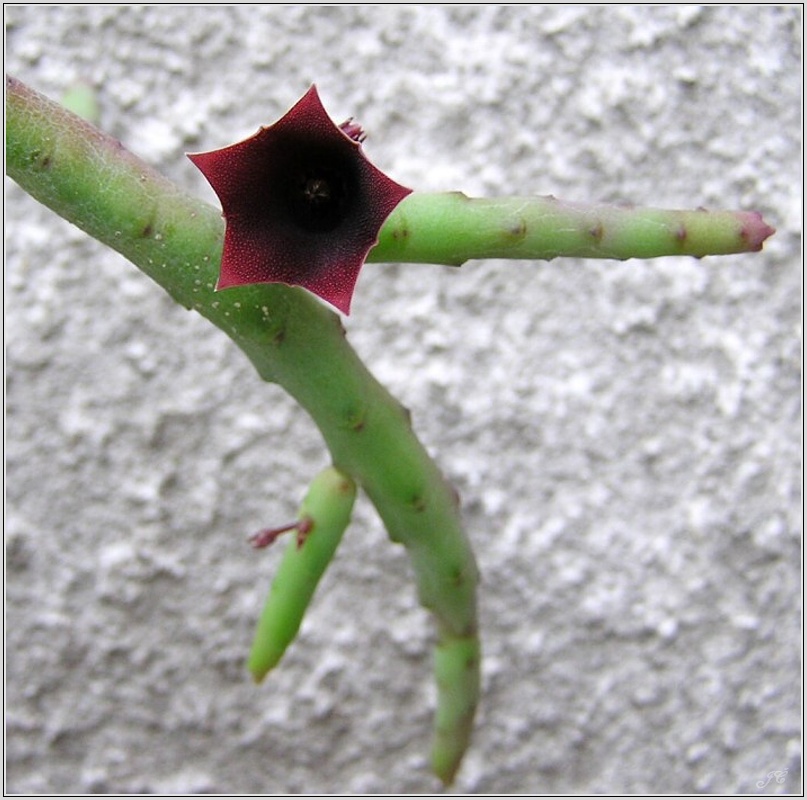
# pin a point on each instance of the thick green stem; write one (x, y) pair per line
(291, 338)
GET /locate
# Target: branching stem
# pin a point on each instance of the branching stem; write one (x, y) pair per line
(291, 338)
(294, 340)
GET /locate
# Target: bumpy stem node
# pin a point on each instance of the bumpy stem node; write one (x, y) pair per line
(451, 229)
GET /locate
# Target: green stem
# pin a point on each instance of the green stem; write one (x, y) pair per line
(456, 669)
(451, 228)
(291, 338)
(324, 515)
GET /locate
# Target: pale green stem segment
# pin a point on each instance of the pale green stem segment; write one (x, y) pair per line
(294, 340)
(456, 667)
(324, 513)
(451, 228)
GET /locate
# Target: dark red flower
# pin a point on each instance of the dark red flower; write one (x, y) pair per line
(301, 202)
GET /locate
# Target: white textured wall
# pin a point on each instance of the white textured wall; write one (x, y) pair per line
(625, 436)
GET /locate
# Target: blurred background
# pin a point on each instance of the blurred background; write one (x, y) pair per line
(626, 437)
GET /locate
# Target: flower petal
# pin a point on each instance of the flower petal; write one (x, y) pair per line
(302, 203)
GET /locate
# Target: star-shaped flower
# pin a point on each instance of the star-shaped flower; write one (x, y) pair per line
(301, 202)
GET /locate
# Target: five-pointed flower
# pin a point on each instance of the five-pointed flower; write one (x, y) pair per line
(301, 202)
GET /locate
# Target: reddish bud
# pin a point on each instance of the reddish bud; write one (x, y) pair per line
(302, 204)
(268, 536)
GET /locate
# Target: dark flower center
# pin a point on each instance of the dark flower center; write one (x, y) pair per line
(319, 198)
(317, 192)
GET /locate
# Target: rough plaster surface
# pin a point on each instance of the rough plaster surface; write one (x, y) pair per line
(625, 436)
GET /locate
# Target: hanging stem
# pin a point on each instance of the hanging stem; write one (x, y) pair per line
(323, 517)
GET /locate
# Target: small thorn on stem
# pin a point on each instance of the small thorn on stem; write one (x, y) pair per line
(268, 536)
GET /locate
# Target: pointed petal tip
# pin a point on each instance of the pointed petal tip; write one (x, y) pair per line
(196, 158)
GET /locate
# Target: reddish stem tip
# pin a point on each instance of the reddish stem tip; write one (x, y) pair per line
(755, 230)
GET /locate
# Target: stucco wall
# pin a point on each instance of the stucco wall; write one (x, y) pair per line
(625, 436)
